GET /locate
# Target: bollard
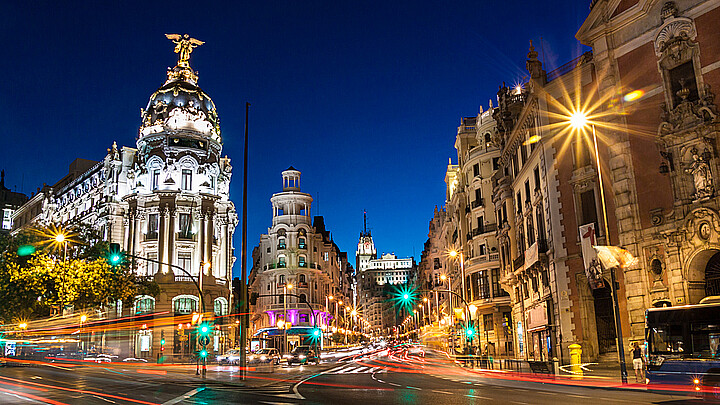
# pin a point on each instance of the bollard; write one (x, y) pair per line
(575, 360)
(556, 366)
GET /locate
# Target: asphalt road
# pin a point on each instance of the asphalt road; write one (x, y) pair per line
(396, 376)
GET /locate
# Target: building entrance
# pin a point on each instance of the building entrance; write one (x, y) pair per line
(712, 276)
(604, 319)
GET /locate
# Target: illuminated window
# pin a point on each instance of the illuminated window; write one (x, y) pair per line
(153, 222)
(220, 306)
(186, 179)
(185, 304)
(144, 305)
(301, 243)
(185, 226)
(302, 263)
(185, 262)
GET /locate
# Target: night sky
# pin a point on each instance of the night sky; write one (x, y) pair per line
(363, 97)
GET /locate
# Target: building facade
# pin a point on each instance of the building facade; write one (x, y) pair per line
(10, 201)
(298, 275)
(167, 200)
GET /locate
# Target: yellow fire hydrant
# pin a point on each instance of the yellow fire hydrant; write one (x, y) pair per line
(575, 360)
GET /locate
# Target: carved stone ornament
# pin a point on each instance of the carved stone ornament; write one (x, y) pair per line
(702, 176)
(688, 114)
(704, 231)
(669, 10)
(676, 30)
(702, 227)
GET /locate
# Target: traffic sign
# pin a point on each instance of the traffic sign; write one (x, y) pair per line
(204, 340)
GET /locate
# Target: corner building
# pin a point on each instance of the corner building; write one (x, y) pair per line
(297, 256)
(167, 199)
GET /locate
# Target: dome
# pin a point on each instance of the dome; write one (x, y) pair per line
(180, 104)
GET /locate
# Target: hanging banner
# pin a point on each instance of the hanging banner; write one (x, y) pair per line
(593, 269)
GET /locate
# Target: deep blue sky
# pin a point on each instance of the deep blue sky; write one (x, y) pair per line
(363, 97)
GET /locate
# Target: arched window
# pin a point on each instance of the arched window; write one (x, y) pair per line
(185, 304)
(303, 298)
(301, 278)
(144, 304)
(221, 306)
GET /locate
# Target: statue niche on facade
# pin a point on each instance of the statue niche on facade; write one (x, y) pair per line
(702, 177)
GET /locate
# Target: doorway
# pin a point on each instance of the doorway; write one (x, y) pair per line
(604, 319)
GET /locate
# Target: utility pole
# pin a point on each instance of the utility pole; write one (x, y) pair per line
(244, 307)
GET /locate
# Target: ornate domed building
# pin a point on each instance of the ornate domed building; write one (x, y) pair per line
(166, 201)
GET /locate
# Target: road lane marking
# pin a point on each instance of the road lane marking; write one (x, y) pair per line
(442, 392)
(578, 396)
(414, 388)
(105, 399)
(183, 397)
(476, 396)
(395, 385)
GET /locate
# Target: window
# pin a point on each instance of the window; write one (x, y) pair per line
(481, 224)
(186, 179)
(281, 278)
(281, 263)
(683, 76)
(326, 256)
(588, 209)
(185, 262)
(488, 323)
(281, 243)
(476, 170)
(497, 289)
(518, 197)
(304, 318)
(482, 251)
(153, 224)
(155, 179)
(144, 305)
(540, 223)
(185, 227)
(220, 306)
(536, 174)
(530, 231)
(184, 304)
(151, 267)
(301, 243)
(478, 196)
(523, 153)
(302, 263)
(496, 163)
(301, 278)
(527, 190)
(515, 166)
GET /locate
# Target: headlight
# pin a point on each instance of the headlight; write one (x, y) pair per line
(263, 358)
(302, 356)
(252, 357)
(287, 356)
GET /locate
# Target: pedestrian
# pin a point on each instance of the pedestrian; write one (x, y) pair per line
(638, 362)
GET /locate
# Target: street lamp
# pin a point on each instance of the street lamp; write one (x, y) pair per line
(579, 121)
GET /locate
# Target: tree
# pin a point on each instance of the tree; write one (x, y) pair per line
(33, 286)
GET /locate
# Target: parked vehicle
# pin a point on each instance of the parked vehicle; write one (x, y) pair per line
(230, 357)
(267, 355)
(302, 355)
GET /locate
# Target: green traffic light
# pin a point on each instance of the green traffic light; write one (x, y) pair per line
(162, 341)
(204, 329)
(203, 353)
(316, 332)
(26, 250)
(406, 296)
(469, 332)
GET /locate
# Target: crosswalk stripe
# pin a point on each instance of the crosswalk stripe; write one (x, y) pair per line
(358, 370)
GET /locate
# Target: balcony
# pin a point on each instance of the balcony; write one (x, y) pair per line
(303, 264)
(151, 236)
(281, 246)
(477, 203)
(302, 285)
(518, 262)
(536, 252)
(295, 305)
(302, 246)
(183, 278)
(185, 236)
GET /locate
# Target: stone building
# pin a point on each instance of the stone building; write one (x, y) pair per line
(166, 199)
(10, 201)
(660, 60)
(297, 256)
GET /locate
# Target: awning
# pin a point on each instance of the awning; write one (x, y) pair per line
(295, 330)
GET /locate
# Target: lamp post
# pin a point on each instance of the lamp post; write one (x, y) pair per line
(61, 238)
(579, 121)
(286, 287)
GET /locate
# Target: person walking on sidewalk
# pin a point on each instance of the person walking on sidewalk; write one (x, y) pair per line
(638, 362)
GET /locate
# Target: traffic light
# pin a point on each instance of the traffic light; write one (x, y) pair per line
(115, 255)
(316, 332)
(469, 332)
(204, 329)
(203, 353)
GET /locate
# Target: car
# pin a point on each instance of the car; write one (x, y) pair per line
(302, 355)
(267, 355)
(230, 357)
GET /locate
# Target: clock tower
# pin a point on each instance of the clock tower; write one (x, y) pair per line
(366, 248)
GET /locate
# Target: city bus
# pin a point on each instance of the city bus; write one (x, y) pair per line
(684, 347)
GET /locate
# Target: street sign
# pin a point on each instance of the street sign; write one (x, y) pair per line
(204, 340)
